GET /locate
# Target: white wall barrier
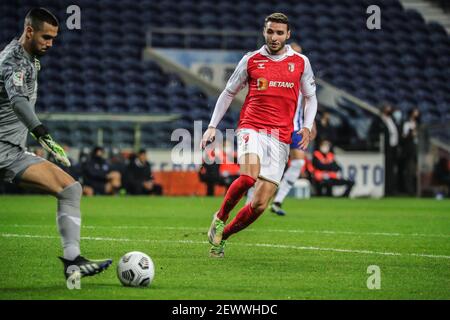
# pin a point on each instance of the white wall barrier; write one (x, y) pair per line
(366, 169)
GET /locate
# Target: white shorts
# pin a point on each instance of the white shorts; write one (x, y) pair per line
(273, 154)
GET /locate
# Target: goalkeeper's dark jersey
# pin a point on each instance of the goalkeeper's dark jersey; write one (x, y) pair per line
(18, 78)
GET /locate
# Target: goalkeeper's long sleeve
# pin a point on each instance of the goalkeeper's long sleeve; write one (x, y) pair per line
(24, 111)
(26, 114)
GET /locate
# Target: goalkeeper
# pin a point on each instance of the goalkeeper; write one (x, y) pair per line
(19, 69)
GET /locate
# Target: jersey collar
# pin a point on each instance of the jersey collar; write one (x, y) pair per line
(33, 59)
(23, 51)
(265, 52)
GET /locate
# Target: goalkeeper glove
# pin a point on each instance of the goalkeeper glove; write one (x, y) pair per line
(41, 134)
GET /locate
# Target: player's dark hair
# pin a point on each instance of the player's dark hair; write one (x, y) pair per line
(411, 111)
(37, 16)
(278, 18)
(96, 149)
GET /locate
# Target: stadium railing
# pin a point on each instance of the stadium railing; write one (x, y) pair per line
(135, 120)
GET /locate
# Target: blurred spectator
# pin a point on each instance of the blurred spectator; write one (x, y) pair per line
(326, 173)
(118, 162)
(77, 167)
(441, 174)
(325, 131)
(98, 178)
(229, 168)
(139, 178)
(296, 47)
(408, 155)
(73, 170)
(390, 132)
(84, 155)
(397, 116)
(391, 150)
(209, 171)
(219, 168)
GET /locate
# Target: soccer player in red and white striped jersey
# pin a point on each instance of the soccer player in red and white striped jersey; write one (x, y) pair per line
(276, 75)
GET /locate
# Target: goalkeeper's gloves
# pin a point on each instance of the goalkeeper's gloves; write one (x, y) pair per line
(41, 134)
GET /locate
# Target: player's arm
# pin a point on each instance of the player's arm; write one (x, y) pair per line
(308, 89)
(314, 131)
(24, 112)
(14, 78)
(236, 82)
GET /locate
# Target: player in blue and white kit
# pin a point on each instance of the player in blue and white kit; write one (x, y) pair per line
(297, 161)
(297, 157)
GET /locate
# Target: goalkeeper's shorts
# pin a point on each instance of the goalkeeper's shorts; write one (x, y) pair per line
(14, 161)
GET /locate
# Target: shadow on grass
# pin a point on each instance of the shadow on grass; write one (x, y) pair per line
(46, 291)
(58, 288)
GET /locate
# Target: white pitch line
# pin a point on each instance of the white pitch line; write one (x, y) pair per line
(266, 245)
(388, 234)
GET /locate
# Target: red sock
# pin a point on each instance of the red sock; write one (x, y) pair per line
(235, 192)
(243, 219)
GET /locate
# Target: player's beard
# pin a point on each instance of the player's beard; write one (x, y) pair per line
(35, 50)
(41, 53)
(277, 51)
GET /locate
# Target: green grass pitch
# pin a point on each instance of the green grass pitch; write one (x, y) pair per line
(320, 250)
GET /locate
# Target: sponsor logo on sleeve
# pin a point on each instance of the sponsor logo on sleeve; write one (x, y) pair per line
(18, 78)
(37, 64)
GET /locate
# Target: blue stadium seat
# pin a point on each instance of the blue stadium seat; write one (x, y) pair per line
(96, 103)
(407, 51)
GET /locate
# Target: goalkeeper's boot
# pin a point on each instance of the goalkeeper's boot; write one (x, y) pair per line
(217, 251)
(276, 208)
(215, 231)
(84, 266)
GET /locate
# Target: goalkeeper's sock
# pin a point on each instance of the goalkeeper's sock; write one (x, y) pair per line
(69, 219)
(246, 216)
(235, 192)
(289, 178)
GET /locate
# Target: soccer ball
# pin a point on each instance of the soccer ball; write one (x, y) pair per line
(136, 269)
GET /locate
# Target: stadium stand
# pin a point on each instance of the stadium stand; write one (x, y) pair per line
(99, 68)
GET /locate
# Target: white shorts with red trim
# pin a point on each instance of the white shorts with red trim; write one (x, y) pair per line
(273, 154)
